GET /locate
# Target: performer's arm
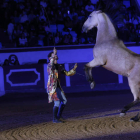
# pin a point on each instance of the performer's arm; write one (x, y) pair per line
(51, 63)
(71, 72)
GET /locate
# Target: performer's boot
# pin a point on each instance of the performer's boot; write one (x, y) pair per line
(60, 111)
(55, 119)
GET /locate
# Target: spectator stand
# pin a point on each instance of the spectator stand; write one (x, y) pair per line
(37, 20)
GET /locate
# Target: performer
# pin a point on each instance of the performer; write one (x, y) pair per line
(55, 92)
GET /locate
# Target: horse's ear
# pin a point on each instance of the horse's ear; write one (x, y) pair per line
(98, 12)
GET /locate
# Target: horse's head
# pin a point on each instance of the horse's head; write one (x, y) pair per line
(91, 22)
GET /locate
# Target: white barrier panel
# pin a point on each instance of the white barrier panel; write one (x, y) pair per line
(45, 77)
(2, 90)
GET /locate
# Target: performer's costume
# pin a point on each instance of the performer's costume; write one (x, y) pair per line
(54, 90)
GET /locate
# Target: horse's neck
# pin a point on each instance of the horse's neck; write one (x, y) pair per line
(106, 30)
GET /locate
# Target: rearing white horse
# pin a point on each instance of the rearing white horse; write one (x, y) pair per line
(112, 54)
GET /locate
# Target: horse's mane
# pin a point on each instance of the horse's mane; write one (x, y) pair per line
(110, 23)
(113, 12)
(113, 23)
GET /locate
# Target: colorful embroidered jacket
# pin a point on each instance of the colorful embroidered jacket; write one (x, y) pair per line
(54, 73)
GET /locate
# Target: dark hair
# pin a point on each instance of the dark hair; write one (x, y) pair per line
(50, 54)
(6, 62)
(16, 62)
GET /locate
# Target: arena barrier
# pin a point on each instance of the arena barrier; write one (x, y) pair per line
(31, 74)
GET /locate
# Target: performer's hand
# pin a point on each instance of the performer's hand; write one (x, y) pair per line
(75, 66)
(54, 51)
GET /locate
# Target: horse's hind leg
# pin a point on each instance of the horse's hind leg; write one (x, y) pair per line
(127, 107)
(135, 89)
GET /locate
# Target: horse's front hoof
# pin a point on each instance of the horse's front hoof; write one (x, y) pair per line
(122, 114)
(92, 85)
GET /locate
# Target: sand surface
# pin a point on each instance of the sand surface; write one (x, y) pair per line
(89, 116)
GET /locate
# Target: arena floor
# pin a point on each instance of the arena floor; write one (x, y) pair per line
(89, 116)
